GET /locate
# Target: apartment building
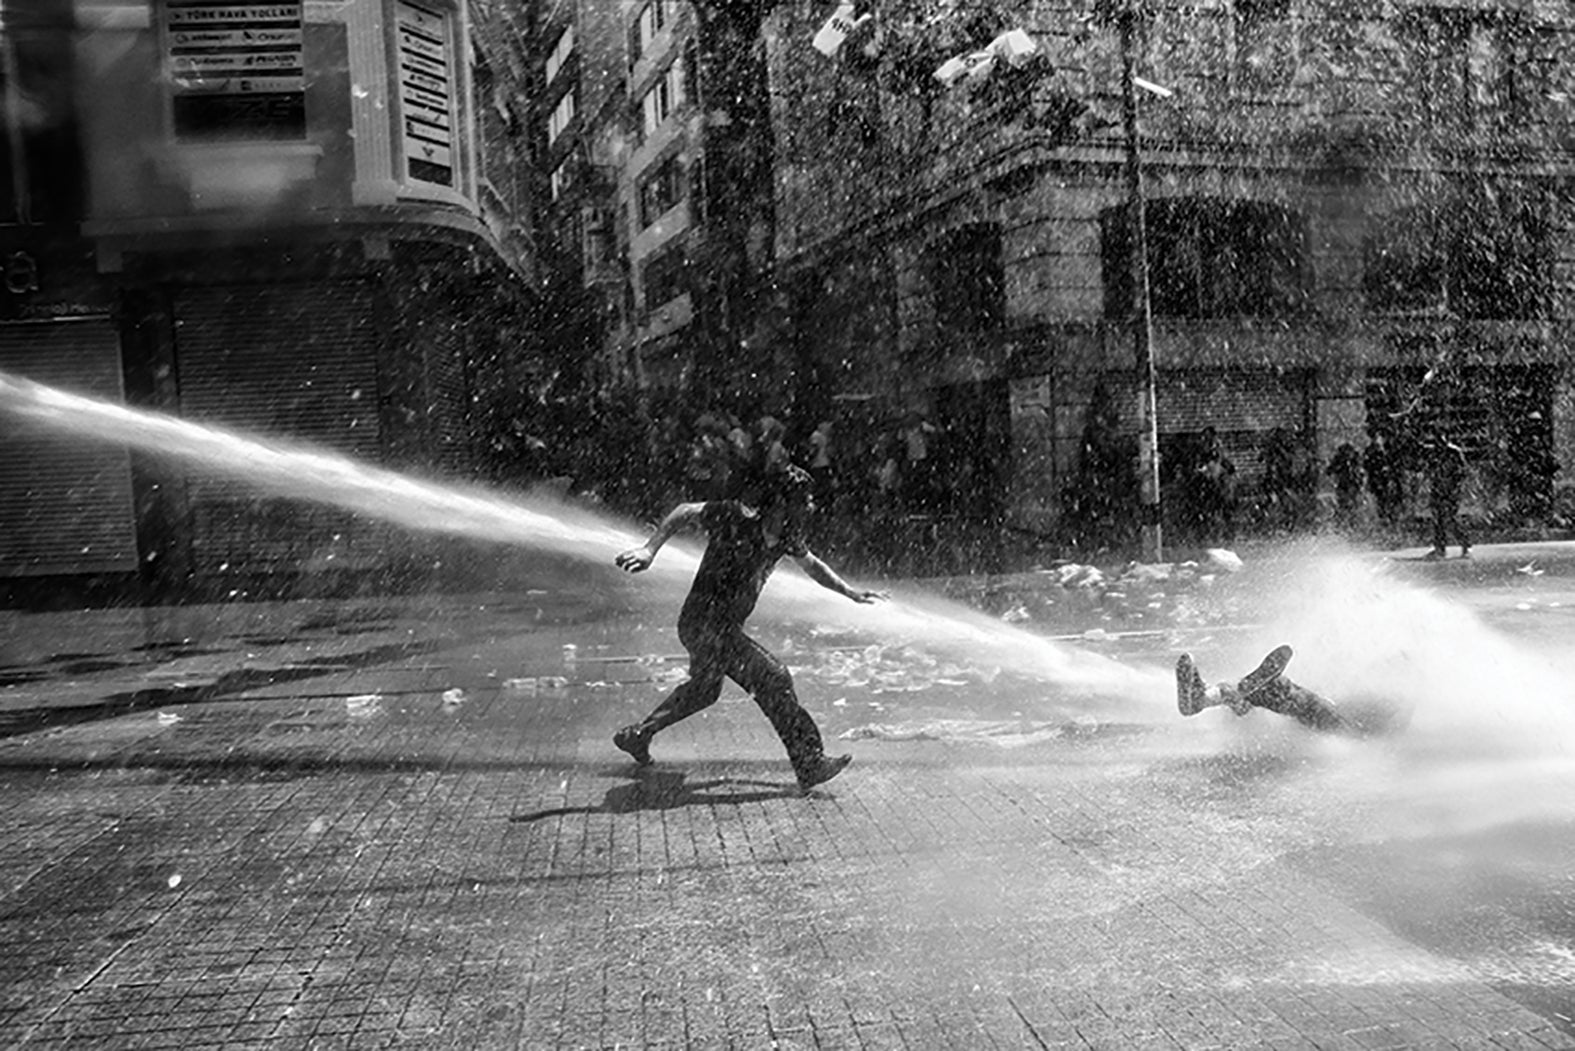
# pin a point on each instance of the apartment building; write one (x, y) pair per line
(284, 218)
(1358, 223)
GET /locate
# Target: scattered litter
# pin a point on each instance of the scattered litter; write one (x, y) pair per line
(454, 697)
(174, 881)
(364, 704)
(553, 682)
(1016, 615)
(1225, 559)
(525, 685)
(1530, 569)
(1146, 571)
(571, 653)
(840, 702)
(836, 30)
(168, 718)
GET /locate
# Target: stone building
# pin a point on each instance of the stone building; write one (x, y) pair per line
(299, 219)
(1358, 223)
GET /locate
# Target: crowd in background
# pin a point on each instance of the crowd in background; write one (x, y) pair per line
(902, 493)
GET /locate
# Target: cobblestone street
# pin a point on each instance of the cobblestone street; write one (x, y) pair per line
(357, 860)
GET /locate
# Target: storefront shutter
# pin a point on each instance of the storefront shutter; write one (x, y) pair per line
(65, 500)
(291, 361)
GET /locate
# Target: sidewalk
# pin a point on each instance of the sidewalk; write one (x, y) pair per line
(346, 857)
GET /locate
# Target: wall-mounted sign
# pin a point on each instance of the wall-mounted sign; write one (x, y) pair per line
(426, 92)
(235, 69)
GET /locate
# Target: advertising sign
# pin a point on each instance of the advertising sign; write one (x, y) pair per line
(426, 92)
(235, 69)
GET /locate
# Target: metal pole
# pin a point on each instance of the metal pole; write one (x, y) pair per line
(1142, 318)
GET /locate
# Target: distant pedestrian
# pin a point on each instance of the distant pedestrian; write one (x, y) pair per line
(746, 539)
(1214, 489)
(1446, 478)
(1383, 478)
(1345, 467)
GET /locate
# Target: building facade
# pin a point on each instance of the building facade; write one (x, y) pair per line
(297, 219)
(1358, 223)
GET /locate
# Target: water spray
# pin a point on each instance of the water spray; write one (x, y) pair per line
(304, 472)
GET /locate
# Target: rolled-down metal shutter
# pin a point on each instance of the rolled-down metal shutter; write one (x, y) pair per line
(65, 500)
(293, 361)
(1242, 405)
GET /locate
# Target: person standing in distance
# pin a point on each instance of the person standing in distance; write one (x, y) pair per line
(745, 542)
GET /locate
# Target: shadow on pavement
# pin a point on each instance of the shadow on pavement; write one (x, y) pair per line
(228, 684)
(667, 790)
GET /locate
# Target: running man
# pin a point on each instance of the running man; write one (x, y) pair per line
(745, 543)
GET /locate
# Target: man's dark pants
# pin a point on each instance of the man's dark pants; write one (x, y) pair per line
(722, 652)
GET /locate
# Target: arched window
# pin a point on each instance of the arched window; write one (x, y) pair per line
(968, 279)
(1479, 253)
(1209, 258)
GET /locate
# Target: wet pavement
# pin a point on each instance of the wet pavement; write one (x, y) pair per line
(362, 823)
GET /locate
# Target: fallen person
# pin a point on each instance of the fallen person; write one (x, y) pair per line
(1266, 687)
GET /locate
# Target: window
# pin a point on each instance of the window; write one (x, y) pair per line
(665, 96)
(560, 53)
(235, 70)
(652, 19)
(1209, 258)
(967, 278)
(40, 165)
(666, 274)
(1480, 253)
(1470, 66)
(1266, 45)
(562, 114)
(661, 190)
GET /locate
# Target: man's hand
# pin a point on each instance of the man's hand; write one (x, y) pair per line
(636, 558)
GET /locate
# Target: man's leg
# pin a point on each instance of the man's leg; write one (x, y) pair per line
(696, 693)
(1287, 698)
(1439, 538)
(771, 685)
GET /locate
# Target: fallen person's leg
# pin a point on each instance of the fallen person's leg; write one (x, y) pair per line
(1266, 687)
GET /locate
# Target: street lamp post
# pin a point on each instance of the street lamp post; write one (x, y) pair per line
(1142, 318)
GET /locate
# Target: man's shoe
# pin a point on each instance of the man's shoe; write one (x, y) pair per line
(1272, 668)
(636, 742)
(822, 770)
(1189, 686)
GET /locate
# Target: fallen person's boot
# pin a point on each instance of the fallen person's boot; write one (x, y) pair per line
(1189, 686)
(822, 770)
(1272, 668)
(636, 742)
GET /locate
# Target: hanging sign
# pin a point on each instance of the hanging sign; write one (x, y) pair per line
(426, 93)
(235, 69)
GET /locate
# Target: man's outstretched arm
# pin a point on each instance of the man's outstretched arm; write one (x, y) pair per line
(827, 577)
(637, 558)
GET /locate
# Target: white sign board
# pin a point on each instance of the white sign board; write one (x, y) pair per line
(426, 92)
(235, 70)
